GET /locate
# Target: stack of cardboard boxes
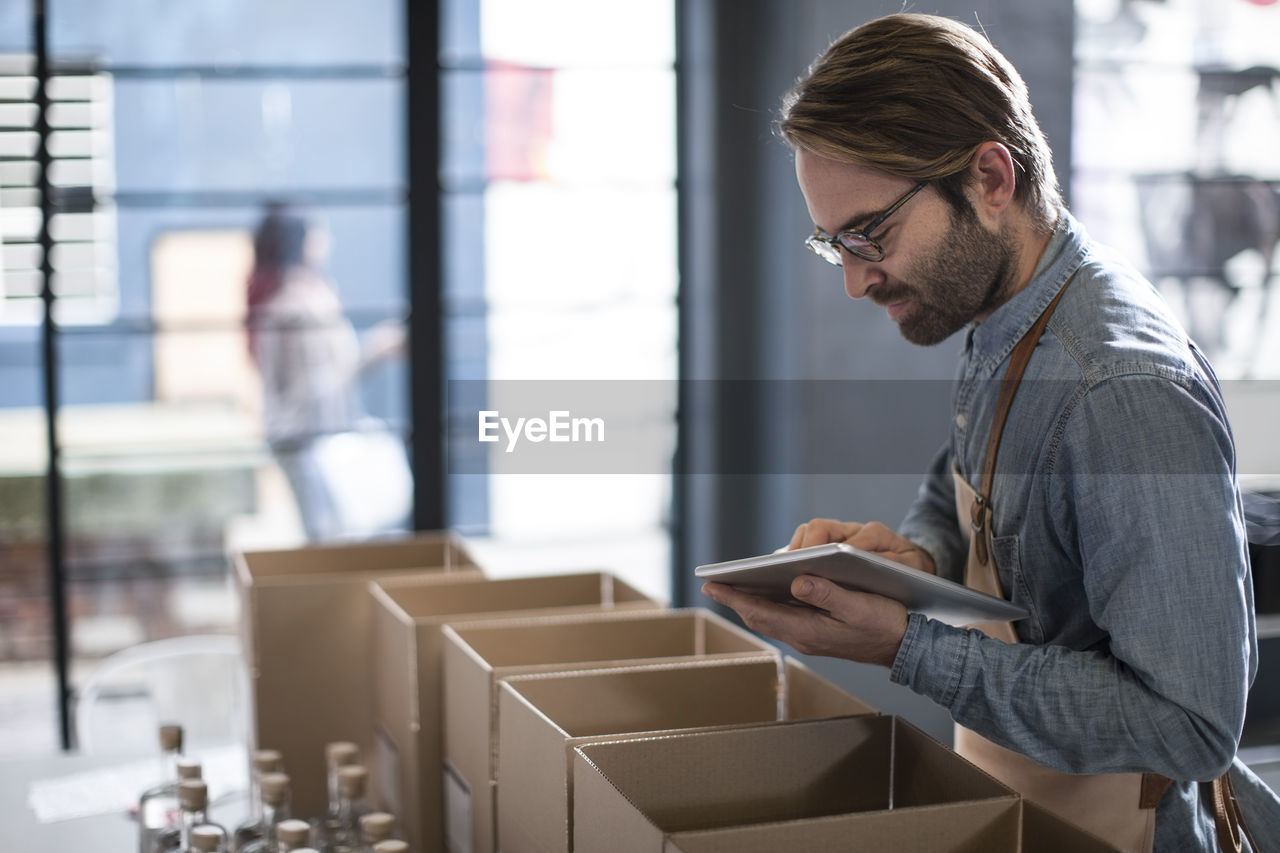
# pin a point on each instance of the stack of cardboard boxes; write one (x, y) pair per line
(572, 712)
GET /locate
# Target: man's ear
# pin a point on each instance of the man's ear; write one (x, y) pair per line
(993, 178)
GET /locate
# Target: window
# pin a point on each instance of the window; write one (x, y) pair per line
(560, 271)
(172, 126)
(1175, 160)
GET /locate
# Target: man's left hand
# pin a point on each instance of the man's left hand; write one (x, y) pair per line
(857, 626)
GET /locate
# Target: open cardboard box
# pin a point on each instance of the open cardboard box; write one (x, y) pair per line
(305, 618)
(985, 826)
(787, 786)
(542, 718)
(408, 639)
(477, 656)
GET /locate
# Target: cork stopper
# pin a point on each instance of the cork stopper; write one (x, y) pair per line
(267, 760)
(206, 838)
(341, 753)
(171, 737)
(352, 780)
(293, 832)
(391, 847)
(193, 795)
(275, 788)
(189, 768)
(377, 826)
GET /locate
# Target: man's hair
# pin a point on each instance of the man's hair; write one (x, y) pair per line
(914, 96)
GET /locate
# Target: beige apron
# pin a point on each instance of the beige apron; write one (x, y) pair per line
(1109, 804)
(1118, 807)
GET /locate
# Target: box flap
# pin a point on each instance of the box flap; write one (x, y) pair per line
(730, 777)
(654, 697)
(989, 826)
(459, 601)
(1045, 832)
(809, 696)
(424, 550)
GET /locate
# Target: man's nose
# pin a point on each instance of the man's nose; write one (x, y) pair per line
(859, 275)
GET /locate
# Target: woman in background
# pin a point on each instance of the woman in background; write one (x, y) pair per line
(309, 358)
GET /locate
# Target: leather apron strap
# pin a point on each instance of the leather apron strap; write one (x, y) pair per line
(980, 512)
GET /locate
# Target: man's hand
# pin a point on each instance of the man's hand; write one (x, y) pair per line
(856, 626)
(872, 536)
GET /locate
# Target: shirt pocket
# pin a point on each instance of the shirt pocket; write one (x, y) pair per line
(1007, 553)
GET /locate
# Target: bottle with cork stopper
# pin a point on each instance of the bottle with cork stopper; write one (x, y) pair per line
(275, 805)
(344, 831)
(261, 761)
(193, 801)
(375, 827)
(292, 836)
(158, 805)
(208, 839)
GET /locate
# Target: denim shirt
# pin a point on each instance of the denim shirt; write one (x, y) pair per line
(1117, 523)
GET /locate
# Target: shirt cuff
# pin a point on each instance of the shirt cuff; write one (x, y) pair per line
(937, 549)
(931, 659)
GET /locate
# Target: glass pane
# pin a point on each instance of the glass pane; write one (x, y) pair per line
(1174, 162)
(15, 26)
(199, 134)
(550, 33)
(564, 125)
(229, 32)
(28, 684)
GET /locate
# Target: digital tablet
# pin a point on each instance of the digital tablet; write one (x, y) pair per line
(770, 576)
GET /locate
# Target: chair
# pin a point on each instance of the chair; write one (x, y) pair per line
(199, 682)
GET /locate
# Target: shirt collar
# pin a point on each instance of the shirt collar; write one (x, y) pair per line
(993, 339)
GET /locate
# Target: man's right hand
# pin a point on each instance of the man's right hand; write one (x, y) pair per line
(872, 536)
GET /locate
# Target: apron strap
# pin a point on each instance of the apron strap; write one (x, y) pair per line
(980, 512)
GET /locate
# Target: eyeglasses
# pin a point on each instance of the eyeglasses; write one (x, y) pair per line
(856, 241)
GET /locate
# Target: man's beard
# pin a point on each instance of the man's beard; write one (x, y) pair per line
(967, 276)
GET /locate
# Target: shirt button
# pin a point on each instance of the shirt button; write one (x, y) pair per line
(961, 421)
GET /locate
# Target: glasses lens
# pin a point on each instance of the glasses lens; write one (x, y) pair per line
(823, 249)
(860, 245)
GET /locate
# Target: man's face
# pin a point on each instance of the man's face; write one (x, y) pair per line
(941, 269)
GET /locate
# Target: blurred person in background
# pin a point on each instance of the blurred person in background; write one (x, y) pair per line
(310, 360)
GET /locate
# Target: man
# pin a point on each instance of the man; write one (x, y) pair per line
(1111, 511)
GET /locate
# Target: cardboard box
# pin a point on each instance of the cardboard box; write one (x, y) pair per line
(1045, 832)
(408, 640)
(305, 622)
(542, 718)
(985, 826)
(787, 786)
(478, 655)
(991, 826)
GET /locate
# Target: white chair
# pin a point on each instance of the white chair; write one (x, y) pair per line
(199, 682)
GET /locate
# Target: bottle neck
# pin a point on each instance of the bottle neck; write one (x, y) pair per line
(170, 761)
(191, 818)
(271, 815)
(351, 808)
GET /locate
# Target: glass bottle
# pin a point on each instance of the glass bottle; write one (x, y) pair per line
(208, 838)
(344, 836)
(337, 755)
(375, 827)
(292, 835)
(275, 809)
(170, 837)
(193, 799)
(262, 761)
(158, 805)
